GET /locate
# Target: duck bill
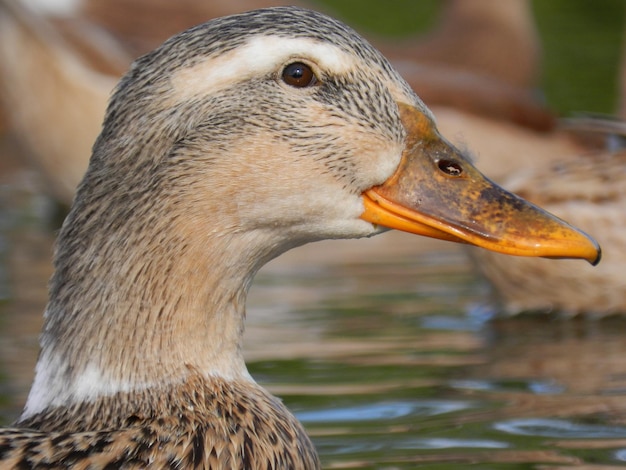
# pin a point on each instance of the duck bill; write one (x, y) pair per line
(438, 193)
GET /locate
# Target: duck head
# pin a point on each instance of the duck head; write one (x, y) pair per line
(293, 122)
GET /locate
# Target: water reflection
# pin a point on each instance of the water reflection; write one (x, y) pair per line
(382, 349)
(559, 428)
(621, 455)
(534, 386)
(381, 411)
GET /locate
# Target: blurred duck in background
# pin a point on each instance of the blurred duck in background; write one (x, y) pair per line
(590, 192)
(587, 188)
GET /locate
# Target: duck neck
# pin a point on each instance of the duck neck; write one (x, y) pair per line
(139, 305)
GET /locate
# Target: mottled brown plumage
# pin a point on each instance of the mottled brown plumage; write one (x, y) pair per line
(196, 424)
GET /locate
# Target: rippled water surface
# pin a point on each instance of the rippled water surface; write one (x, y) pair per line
(383, 348)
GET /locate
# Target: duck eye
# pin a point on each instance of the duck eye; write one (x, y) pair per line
(299, 75)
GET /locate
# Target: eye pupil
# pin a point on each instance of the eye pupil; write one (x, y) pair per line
(299, 75)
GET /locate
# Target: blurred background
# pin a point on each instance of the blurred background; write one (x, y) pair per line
(395, 352)
(581, 43)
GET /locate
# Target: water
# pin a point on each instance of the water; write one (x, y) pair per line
(385, 349)
(397, 366)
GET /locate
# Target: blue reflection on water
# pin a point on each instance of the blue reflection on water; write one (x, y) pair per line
(542, 387)
(382, 411)
(539, 387)
(559, 428)
(444, 443)
(475, 318)
(621, 455)
(342, 446)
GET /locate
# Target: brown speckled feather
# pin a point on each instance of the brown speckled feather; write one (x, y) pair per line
(196, 425)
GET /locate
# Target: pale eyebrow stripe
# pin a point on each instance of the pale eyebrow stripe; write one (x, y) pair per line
(257, 57)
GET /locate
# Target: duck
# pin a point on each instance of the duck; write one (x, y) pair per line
(588, 190)
(83, 47)
(231, 143)
(585, 185)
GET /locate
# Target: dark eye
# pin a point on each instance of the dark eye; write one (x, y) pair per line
(299, 75)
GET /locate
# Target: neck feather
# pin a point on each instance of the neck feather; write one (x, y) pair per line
(139, 303)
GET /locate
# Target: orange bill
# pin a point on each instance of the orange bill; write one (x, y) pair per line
(438, 193)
